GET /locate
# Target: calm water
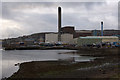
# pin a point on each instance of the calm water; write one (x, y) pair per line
(10, 58)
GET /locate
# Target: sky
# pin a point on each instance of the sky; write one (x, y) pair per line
(24, 18)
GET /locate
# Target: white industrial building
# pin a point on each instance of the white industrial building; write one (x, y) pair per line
(53, 38)
(67, 38)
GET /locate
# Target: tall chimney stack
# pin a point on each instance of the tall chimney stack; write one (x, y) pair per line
(59, 24)
(102, 28)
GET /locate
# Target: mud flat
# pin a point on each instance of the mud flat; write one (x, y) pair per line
(107, 67)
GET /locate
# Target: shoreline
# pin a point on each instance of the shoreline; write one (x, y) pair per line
(40, 48)
(66, 69)
(60, 48)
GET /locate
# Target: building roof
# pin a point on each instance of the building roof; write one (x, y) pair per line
(69, 26)
(50, 32)
(83, 31)
(98, 37)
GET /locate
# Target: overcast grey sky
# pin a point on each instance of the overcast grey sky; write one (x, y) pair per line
(23, 18)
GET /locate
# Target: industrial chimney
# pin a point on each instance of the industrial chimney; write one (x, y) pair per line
(59, 24)
(102, 28)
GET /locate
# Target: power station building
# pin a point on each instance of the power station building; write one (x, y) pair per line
(64, 35)
(69, 35)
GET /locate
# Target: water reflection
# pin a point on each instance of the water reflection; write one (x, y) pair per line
(13, 57)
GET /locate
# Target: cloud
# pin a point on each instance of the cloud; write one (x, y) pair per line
(32, 17)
